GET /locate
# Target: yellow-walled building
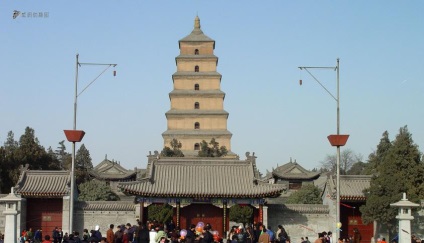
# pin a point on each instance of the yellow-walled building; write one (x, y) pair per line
(197, 102)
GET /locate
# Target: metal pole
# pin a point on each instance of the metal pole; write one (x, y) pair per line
(338, 157)
(71, 197)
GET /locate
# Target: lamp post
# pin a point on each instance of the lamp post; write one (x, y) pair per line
(77, 135)
(336, 140)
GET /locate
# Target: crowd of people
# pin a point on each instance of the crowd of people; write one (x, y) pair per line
(325, 237)
(155, 232)
(257, 233)
(152, 232)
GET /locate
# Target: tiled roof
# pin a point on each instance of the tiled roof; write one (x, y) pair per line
(196, 74)
(197, 34)
(197, 57)
(196, 112)
(201, 177)
(293, 170)
(105, 206)
(202, 93)
(43, 183)
(111, 170)
(351, 186)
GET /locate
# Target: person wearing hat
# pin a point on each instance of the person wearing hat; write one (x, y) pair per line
(96, 233)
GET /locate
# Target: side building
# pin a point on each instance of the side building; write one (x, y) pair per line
(352, 197)
(293, 176)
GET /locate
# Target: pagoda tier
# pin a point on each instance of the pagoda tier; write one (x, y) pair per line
(197, 102)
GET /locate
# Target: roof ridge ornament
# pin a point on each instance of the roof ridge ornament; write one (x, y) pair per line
(197, 22)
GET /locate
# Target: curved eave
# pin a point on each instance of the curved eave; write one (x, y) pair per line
(196, 75)
(197, 94)
(122, 178)
(197, 133)
(114, 178)
(204, 195)
(353, 198)
(294, 177)
(196, 58)
(43, 194)
(195, 113)
(199, 40)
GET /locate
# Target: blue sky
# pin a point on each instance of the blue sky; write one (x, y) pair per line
(260, 44)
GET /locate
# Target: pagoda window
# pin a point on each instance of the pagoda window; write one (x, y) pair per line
(196, 68)
(196, 125)
(196, 52)
(196, 105)
(196, 87)
(196, 146)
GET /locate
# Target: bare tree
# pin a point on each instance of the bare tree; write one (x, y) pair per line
(347, 159)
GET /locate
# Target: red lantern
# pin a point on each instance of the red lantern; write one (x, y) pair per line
(300, 81)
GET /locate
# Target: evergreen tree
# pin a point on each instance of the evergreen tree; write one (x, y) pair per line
(308, 194)
(30, 151)
(27, 151)
(174, 150)
(8, 163)
(212, 149)
(241, 214)
(64, 157)
(83, 164)
(400, 169)
(95, 190)
(160, 212)
(2, 166)
(376, 158)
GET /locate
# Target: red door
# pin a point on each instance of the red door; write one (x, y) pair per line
(350, 217)
(366, 230)
(206, 213)
(45, 214)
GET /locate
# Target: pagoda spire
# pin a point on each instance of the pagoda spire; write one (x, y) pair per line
(197, 22)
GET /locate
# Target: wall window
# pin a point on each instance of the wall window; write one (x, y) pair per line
(196, 146)
(196, 105)
(196, 125)
(196, 69)
(294, 185)
(196, 52)
(196, 87)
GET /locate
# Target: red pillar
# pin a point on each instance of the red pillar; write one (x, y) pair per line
(224, 225)
(261, 213)
(178, 214)
(141, 216)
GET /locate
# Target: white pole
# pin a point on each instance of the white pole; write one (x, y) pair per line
(71, 197)
(338, 157)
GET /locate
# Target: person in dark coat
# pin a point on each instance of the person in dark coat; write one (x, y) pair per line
(143, 234)
(206, 237)
(190, 234)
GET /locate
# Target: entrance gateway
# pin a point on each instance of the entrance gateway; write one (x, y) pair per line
(202, 189)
